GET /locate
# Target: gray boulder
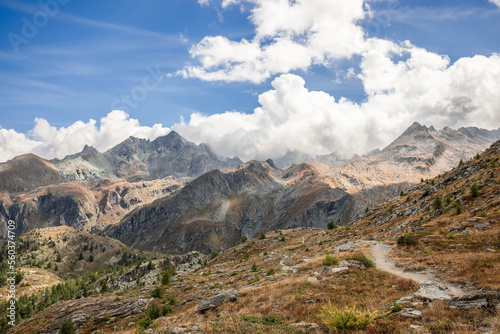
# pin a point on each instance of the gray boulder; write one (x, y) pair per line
(352, 264)
(412, 314)
(433, 291)
(477, 300)
(230, 295)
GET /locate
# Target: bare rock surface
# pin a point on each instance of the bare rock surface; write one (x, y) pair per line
(82, 311)
(217, 300)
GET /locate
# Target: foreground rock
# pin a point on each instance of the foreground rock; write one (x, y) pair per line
(433, 291)
(489, 300)
(230, 295)
(352, 264)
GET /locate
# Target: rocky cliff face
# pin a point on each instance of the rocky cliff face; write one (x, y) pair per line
(81, 207)
(140, 159)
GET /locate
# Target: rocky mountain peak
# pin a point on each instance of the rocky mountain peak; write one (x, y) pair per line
(172, 141)
(89, 153)
(415, 127)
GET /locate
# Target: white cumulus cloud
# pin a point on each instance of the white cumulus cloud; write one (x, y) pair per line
(424, 87)
(304, 33)
(495, 2)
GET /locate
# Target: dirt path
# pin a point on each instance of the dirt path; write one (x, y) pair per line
(380, 252)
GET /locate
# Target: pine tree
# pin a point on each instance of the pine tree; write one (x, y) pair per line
(67, 327)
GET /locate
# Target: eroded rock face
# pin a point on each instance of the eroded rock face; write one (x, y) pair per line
(433, 291)
(81, 311)
(217, 300)
(489, 300)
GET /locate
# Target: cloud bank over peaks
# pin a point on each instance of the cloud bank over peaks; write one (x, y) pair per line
(402, 83)
(422, 87)
(50, 142)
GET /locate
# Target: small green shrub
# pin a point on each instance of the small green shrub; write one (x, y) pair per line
(458, 210)
(144, 323)
(474, 190)
(213, 255)
(166, 310)
(348, 318)
(438, 203)
(407, 240)
(243, 238)
(330, 260)
(157, 292)
(396, 307)
(154, 312)
(262, 236)
(362, 258)
(67, 327)
(271, 272)
(172, 300)
(331, 225)
(254, 267)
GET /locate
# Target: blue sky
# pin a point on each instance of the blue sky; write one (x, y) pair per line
(81, 61)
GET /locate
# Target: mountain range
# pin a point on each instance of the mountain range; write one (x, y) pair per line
(171, 195)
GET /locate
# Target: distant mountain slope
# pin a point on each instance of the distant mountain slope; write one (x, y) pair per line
(420, 152)
(81, 207)
(214, 210)
(27, 172)
(92, 188)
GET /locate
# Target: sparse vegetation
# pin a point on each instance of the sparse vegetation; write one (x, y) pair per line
(264, 320)
(157, 292)
(67, 327)
(474, 190)
(331, 225)
(347, 318)
(407, 240)
(438, 203)
(330, 260)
